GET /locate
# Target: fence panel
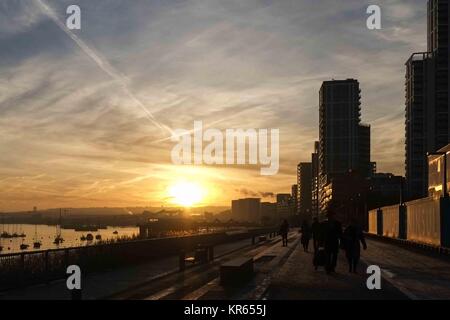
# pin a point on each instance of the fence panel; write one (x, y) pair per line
(391, 221)
(373, 224)
(424, 221)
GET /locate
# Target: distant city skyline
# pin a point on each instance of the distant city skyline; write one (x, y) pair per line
(73, 136)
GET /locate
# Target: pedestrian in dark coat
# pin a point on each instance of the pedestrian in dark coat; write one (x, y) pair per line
(306, 235)
(284, 230)
(316, 234)
(332, 236)
(353, 236)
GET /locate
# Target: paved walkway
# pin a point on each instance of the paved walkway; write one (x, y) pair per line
(416, 274)
(297, 280)
(202, 281)
(281, 273)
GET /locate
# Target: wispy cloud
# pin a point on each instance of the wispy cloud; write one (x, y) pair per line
(102, 63)
(75, 106)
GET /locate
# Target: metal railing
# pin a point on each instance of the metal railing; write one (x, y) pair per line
(33, 267)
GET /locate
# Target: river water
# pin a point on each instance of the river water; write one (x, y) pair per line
(46, 235)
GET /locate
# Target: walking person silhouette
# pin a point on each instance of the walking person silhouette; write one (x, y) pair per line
(332, 236)
(284, 230)
(353, 236)
(316, 233)
(306, 235)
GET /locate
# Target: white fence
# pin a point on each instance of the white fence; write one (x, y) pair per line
(424, 221)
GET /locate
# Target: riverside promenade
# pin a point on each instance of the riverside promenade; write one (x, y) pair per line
(281, 273)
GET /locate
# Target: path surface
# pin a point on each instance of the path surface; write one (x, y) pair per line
(298, 280)
(418, 275)
(281, 273)
(406, 274)
(202, 281)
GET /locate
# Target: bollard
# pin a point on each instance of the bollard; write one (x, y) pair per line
(182, 261)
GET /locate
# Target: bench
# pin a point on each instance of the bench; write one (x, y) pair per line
(202, 254)
(190, 259)
(236, 272)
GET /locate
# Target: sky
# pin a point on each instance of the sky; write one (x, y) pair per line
(86, 115)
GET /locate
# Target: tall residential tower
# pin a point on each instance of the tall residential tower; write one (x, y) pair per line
(344, 146)
(304, 183)
(427, 124)
(344, 142)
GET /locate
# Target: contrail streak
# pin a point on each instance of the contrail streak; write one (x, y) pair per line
(191, 131)
(102, 64)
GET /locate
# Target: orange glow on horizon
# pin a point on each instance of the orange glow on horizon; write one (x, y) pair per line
(186, 194)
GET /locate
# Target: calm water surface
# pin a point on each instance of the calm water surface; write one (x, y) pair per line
(46, 235)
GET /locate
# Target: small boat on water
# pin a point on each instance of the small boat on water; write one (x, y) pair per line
(5, 235)
(98, 237)
(58, 240)
(18, 232)
(116, 232)
(36, 243)
(24, 246)
(89, 237)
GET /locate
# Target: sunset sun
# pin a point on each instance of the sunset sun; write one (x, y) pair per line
(186, 193)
